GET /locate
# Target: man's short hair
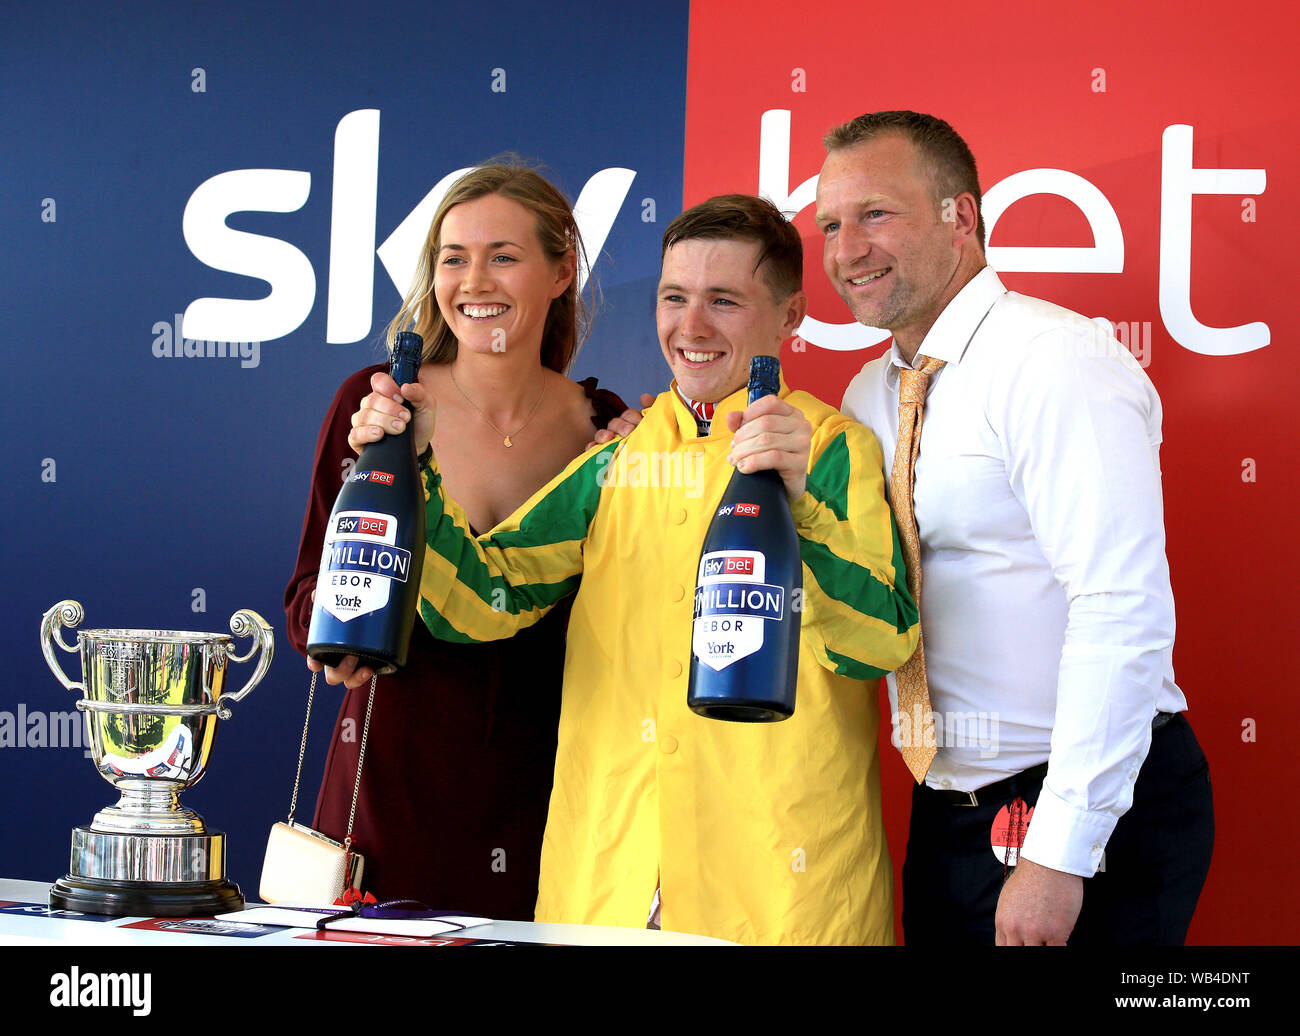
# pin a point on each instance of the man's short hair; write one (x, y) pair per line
(746, 218)
(951, 164)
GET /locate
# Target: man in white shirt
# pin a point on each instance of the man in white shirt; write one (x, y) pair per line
(1046, 612)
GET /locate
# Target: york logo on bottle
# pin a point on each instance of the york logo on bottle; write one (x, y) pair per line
(738, 511)
(732, 603)
(359, 562)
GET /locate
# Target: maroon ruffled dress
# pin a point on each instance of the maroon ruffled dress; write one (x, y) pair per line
(461, 752)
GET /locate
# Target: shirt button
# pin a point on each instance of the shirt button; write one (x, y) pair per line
(1096, 849)
(946, 783)
(674, 668)
(1132, 775)
(678, 593)
(668, 744)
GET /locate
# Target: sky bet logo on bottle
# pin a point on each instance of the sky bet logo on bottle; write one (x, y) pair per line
(384, 478)
(731, 603)
(729, 564)
(739, 510)
(359, 562)
(367, 525)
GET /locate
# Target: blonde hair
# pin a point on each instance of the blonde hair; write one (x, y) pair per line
(567, 321)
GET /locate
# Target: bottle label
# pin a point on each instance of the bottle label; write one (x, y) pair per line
(732, 603)
(359, 562)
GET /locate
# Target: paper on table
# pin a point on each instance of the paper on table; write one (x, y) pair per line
(306, 916)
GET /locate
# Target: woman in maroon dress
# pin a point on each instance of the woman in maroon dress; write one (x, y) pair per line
(461, 748)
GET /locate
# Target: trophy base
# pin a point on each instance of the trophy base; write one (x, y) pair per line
(143, 873)
(142, 899)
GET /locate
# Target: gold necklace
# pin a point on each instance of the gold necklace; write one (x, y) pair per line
(505, 435)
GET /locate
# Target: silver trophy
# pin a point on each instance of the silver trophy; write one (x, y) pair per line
(152, 700)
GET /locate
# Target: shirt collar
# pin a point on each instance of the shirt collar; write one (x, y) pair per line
(949, 336)
(703, 411)
(737, 401)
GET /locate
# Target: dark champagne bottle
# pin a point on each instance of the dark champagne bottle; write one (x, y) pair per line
(368, 588)
(745, 645)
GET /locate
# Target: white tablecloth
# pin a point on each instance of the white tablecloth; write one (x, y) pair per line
(25, 918)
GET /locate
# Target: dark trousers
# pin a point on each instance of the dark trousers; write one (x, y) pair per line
(1156, 860)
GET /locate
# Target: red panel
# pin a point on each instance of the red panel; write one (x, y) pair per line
(1091, 91)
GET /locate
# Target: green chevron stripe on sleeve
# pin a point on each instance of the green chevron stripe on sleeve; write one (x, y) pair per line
(515, 573)
(857, 588)
(852, 668)
(440, 627)
(832, 469)
(565, 512)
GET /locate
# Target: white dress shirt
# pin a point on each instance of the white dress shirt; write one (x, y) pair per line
(1045, 607)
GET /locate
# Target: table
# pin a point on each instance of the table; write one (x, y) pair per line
(25, 918)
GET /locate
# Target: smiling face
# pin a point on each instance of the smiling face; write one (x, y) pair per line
(887, 250)
(715, 312)
(493, 282)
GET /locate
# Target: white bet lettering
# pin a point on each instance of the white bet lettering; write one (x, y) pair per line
(1178, 182)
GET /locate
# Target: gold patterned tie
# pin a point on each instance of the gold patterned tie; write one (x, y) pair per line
(916, 721)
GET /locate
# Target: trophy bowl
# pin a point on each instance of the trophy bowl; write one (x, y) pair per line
(152, 700)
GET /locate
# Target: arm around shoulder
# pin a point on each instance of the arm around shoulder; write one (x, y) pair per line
(860, 618)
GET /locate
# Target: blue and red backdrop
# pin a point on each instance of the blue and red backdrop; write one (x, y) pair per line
(262, 177)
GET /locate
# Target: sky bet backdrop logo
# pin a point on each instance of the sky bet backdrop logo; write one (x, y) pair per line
(352, 240)
(1180, 182)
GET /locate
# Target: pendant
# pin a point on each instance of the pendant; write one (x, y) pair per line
(508, 442)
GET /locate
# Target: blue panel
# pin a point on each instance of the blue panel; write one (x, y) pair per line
(136, 480)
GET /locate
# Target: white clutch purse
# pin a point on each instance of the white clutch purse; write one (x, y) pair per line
(305, 866)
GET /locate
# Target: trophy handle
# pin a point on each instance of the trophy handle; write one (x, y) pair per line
(242, 624)
(65, 613)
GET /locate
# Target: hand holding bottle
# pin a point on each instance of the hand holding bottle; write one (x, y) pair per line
(771, 434)
(367, 593)
(388, 408)
(747, 619)
(347, 672)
